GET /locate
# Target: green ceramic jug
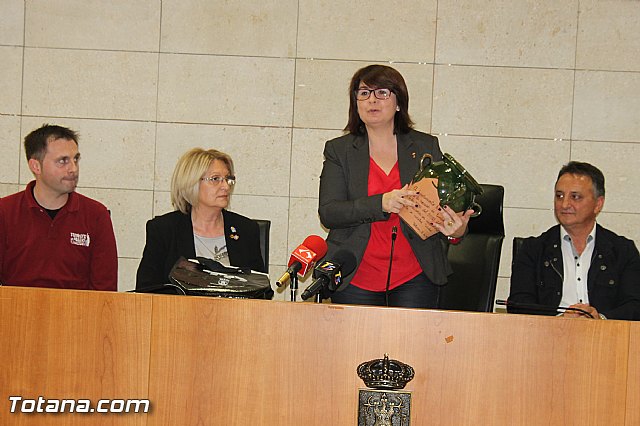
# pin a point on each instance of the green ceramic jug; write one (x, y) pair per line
(456, 187)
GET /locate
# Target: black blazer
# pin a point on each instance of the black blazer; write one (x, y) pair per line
(347, 210)
(613, 280)
(171, 235)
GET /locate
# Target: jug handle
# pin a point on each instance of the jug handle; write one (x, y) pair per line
(425, 156)
(477, 209)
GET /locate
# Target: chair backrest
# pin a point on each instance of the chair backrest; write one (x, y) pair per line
(476, 259)
(265, 228)
(517, 245)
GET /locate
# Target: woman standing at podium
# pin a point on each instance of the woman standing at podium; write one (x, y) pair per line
(200, 226)
(364, 184)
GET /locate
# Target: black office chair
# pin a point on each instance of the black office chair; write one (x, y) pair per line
(517, 245)
(475, 260)
(265, 228)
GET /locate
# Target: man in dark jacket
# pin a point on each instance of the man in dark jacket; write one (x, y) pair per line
(578, 263)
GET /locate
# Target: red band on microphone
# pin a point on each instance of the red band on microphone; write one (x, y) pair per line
(307, 253)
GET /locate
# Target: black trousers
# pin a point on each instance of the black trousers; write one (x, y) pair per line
(418, 292)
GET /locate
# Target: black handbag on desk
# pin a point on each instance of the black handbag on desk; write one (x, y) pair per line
(206, 277)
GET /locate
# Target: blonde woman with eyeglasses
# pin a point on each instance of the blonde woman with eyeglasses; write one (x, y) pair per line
(201, 226)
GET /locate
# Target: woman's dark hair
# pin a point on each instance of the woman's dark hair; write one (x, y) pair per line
(379, 77)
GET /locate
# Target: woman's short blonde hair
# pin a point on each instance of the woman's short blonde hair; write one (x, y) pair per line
(191, 167)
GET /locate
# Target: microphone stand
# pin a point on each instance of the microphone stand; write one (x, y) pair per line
(394, 234)
(293, 286)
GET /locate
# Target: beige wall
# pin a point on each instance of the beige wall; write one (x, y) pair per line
(513, 88)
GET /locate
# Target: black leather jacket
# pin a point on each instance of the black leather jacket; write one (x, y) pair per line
(613, 281)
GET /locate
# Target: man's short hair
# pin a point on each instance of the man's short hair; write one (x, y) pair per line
(585, 169)
(35, 143)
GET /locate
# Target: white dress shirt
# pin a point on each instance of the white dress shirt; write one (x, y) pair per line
(576, 268)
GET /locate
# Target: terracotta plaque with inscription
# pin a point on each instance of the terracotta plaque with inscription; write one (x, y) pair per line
(420, 218)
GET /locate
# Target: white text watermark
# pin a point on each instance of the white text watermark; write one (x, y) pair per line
(43, 405)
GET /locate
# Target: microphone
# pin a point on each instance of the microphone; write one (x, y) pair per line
(328, 274)
(394, 235)
(303, 258)
(534, 307)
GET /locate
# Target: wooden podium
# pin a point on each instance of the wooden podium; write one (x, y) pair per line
(208, 361)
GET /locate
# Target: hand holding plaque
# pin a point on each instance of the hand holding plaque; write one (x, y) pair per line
(427, 212)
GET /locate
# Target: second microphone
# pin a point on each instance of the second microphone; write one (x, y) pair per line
(303, 258)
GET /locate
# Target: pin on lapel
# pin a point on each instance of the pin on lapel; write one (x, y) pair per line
(413, 155)
(233, 234)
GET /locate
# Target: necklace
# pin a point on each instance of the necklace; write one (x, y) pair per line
(217, 254)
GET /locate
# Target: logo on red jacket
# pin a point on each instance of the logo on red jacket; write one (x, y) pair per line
(80, 239)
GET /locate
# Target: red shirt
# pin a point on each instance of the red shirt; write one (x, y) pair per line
(76, 250)
(374, 267)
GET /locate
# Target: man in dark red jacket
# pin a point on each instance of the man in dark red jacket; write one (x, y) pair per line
(51, 236)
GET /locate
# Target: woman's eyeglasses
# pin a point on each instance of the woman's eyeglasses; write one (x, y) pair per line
(217, 180)
(364, 94)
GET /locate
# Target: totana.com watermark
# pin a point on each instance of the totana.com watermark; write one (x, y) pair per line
(43, 405)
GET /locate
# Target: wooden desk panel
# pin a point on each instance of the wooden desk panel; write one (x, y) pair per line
(73, 344)
(633, 376)
(240, 362)
(275, 363)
